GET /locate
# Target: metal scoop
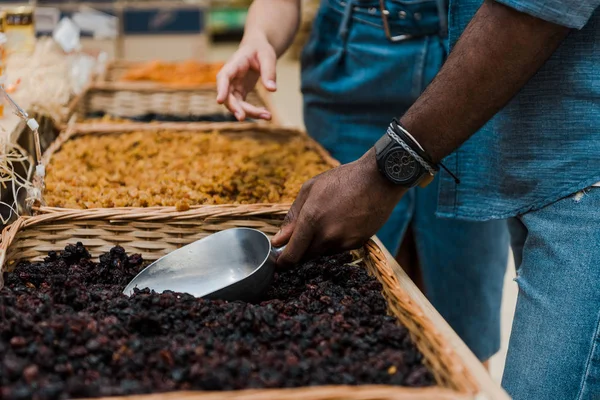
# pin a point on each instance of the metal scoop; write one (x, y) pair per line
(234, 264)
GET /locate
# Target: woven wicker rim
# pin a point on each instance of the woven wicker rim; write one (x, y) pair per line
(261, 95)
(116, 69)
(29, 237)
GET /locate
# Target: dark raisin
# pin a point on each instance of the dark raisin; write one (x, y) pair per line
(66, 330)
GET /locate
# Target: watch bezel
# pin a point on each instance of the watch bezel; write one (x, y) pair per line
(383, 154)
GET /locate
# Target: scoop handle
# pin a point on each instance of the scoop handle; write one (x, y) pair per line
(276, 251)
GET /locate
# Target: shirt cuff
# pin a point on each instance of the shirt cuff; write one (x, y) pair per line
(572, 13)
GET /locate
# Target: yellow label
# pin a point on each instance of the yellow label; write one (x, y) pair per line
(20, 39)
(19, 16)
(20, 30)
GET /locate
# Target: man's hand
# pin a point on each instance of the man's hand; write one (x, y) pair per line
(337, 210)
(255, 58)
(498, 53)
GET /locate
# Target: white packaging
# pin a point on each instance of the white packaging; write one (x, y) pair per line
(82, 69)
(101, 25)
(67, 34)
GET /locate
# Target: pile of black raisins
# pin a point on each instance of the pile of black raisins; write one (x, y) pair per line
(67, 331)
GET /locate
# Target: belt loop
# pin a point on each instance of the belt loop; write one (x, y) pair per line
(443, 16)
(346, 19)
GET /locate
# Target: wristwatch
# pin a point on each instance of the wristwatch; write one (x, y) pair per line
(401, 160)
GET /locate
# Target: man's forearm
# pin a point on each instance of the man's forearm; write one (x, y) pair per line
(499, 51)
(277, 20)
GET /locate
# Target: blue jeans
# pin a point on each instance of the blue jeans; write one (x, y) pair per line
(354, 81)
(554, 350)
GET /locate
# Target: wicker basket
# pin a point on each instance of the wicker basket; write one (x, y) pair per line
(116, 70)
(138, 99)
(248, 129)
(157, 231)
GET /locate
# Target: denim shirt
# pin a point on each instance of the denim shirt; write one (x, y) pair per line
(545, 144)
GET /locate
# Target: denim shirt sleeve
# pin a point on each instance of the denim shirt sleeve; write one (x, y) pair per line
(569, 13)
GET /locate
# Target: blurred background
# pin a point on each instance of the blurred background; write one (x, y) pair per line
(173, 30)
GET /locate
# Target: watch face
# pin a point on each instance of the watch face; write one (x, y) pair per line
(400, 166)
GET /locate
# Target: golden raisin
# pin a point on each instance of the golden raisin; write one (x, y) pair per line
(181, 169)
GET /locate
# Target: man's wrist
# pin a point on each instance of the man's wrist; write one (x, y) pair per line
(421, 133)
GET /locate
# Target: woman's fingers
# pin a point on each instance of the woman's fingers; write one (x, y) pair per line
(241, 71)
(224, 78)
(234, 104)
(255, 112)
(237, 67)
(267, 61)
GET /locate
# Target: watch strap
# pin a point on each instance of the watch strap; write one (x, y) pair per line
(382, 143)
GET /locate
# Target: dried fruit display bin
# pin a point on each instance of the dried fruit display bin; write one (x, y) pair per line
(146, 102)
(198, 163)
(157, 231)
(156, 72)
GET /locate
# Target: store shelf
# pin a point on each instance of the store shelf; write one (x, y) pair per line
(221, 21)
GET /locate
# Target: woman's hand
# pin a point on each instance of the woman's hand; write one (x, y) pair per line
(254, 58)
